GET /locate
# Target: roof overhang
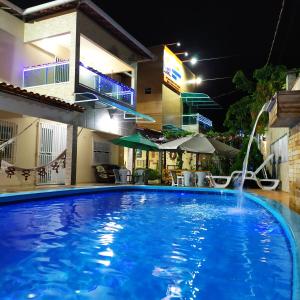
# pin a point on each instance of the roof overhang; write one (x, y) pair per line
(36, 97)
(11, 8)
(109, 103)
(286, 109)
(24, 106)
(87, 7)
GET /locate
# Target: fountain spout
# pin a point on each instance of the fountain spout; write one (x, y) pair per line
(269, 105)
(265, 108)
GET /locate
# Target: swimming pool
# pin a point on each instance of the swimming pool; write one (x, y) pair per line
(131, 243)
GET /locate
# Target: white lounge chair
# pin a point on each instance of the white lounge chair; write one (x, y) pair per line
(265, 184)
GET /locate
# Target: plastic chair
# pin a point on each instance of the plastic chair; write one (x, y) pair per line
(177, 180)
(187, 178)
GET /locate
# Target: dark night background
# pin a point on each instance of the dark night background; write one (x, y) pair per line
(243, 28)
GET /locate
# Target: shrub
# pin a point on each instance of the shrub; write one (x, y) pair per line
(255, 157)
(153, 174)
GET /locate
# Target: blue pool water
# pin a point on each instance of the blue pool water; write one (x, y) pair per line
(143, 245)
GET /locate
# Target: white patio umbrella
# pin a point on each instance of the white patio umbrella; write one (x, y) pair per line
(199, 143)
(174, 145)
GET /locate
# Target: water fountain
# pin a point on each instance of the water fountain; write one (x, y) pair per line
(265, 108)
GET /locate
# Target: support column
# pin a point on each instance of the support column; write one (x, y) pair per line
(71, 155)
(197, 161)
(160, 164)
(147, 159)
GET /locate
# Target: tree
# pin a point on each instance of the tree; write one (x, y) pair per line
(238, 116)
(265, 83)
(255, 157)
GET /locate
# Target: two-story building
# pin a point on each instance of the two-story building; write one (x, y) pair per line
(167, 91)
(283, 137)
(79, 69)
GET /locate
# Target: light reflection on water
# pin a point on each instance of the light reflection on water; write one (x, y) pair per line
(137, 245)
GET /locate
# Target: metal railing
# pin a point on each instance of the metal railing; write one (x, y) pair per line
(194, 119)
(57, 72)
(106, 85)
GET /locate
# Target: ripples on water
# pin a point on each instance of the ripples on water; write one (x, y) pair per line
(136, 245)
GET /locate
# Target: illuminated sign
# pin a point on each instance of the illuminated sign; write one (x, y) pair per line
(173, 69)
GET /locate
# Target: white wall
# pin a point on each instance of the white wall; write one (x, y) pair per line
(296, 86)
(14, 54)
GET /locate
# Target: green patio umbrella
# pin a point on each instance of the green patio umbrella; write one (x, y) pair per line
(136, 141)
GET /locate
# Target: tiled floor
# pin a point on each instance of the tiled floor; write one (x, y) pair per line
(283, 197)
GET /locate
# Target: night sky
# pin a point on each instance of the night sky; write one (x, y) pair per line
(243, 28)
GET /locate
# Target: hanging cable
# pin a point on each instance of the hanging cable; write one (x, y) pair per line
(276, 31)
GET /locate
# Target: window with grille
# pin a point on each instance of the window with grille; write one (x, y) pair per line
(7, 131)
(102, 153)
(280, 148)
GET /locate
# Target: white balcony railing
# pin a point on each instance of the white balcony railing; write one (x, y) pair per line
(59, 72)
(105, 85)
(52, 73)
(194, 119)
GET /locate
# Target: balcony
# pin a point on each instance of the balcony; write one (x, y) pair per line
(105, 85)
(192, 122)
(53, 73)
(58, 72)
(286, 110)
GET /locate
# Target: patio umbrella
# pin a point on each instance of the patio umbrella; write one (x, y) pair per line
(224, 149)
(136, 141)
(174, 145)
(199, 143)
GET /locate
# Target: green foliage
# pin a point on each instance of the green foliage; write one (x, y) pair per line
(242, 83)
(255, 157)
(179, 160)
(266, 82)
(153, 174)
(238, 115)
(171, 134)
(211, 133)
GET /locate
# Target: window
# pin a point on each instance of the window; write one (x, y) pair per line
(148, 90)
(280, 148)
(7, 131)
(101, 153)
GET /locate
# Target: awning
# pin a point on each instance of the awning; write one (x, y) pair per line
(86, 97)
(199, 100)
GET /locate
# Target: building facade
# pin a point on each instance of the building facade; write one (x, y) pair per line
(284, 135)
(166, 89)
(159, 87)
(74, 53)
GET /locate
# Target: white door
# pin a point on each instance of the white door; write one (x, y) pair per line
(53, 141)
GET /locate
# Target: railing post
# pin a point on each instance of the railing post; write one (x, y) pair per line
(132, 98)
(46, 75)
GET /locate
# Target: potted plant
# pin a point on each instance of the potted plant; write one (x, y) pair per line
(153, 177)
